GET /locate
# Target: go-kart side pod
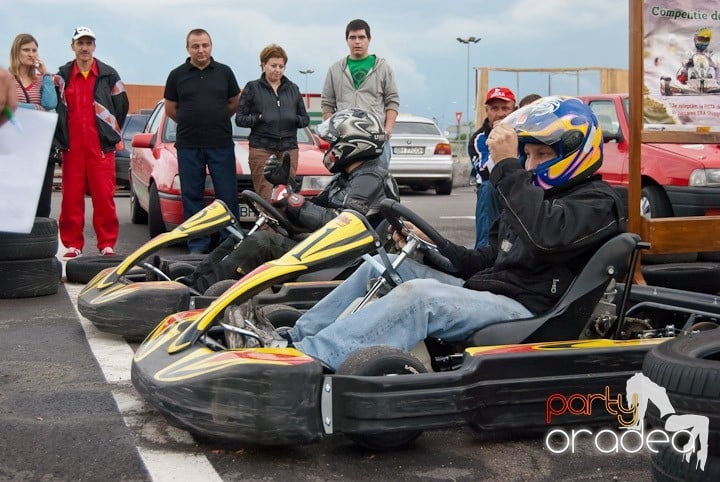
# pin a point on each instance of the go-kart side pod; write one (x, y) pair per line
(260, 396)
(117, 305)
(280, 396)
(342, 239)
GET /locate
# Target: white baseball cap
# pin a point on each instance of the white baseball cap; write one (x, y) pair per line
(83, 32)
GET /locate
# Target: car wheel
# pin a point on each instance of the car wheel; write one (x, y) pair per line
(156, 223)
(85, 268)
(137, 214)
(655, 204)
(40, 242)
(700, 277)
(418, 187)
(668, 465)
(381, 361)
(443, 188)
(25, 278)
(688, 367)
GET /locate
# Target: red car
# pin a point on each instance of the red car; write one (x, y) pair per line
(155, 183)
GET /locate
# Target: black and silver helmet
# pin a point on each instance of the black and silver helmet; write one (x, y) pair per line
(354, 135)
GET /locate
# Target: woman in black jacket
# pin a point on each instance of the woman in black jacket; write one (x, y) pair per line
(273, 109)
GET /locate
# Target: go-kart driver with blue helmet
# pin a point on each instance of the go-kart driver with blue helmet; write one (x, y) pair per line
(556, 213)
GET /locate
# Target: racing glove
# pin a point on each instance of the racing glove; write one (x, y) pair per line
(277, 171)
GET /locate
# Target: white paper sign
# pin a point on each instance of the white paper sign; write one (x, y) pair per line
(23, 161)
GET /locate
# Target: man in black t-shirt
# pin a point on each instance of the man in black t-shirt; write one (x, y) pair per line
(201, 95)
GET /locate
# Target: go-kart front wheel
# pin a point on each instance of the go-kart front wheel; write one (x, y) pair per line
(382, 361)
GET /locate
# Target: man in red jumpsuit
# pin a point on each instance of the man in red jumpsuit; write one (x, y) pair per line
(92, 110)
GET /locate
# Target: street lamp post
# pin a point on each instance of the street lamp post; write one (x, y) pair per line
(307, 72)
(468, 41)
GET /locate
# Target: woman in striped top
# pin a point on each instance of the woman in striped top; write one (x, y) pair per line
(35, 89)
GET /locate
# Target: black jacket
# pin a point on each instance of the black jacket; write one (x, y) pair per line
(361, 190)
(541, 240)
(273, 119)
(109, 93)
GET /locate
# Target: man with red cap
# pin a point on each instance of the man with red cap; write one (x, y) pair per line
(499, 102)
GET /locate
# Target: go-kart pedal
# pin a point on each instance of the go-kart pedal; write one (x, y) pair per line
(243, 329)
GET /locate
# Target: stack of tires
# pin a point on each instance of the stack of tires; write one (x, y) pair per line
(28, 266)
(688, 367)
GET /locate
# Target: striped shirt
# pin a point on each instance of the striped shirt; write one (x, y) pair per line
(33, 91)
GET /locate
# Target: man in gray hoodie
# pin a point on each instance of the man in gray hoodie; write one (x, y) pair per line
(362, 81)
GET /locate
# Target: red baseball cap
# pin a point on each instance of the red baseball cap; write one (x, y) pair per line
(502, 93)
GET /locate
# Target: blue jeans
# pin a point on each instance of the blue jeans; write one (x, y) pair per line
(385, 156)
(429, 303)
(487, 210)
(192, 162)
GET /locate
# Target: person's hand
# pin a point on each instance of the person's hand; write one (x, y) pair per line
(502, 143)
(279, 194)
(7, 94)
(277, 171)
(40, 66)
(400, 237)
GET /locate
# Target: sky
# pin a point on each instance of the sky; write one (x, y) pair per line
(145, 39)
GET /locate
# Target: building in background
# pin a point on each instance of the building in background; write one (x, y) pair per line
(146, 96)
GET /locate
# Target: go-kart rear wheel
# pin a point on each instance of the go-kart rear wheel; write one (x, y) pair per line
(382, 361)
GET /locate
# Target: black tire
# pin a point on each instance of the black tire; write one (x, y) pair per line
(25, 278)
(700, 277)
(419, 187)
(689, 369)
(279, 315)
(380, 361)
(137, 214)
(219, 288)
(655, 204)
(670, 466)
(444, 188)
(85, 268)
(156, 224)
(712, 256)
(40, 242)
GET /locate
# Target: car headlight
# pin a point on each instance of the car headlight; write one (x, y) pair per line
(705, 178)
(315, 183)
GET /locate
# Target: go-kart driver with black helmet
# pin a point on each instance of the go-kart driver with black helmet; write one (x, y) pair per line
(356, 140)
(556, 213)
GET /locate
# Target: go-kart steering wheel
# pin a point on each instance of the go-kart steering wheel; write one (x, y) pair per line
(274, 217)
(397, 214)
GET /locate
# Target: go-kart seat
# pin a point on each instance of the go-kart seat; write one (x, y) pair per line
(567, 319)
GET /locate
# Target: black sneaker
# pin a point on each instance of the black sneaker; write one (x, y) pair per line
(244, 330)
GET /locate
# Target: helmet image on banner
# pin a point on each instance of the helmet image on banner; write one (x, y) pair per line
(354, 135)
(567, 125)
(702, 39)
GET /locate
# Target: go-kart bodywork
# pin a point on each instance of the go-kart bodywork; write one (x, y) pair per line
(115, 301)
(116, 304)
(280, 396)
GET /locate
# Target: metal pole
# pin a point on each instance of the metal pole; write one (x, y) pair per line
(467, 41)
(306, 72)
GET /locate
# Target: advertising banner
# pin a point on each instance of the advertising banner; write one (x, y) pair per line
(680, 65)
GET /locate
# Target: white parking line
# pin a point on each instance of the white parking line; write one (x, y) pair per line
(457, 217)
(114, 356)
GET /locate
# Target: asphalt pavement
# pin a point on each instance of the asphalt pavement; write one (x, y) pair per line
(69, 412)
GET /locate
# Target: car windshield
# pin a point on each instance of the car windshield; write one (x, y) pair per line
(238, 133)
(133, 125)
(415, 128)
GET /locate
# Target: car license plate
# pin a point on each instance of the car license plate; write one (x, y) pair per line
(408, 150)
(246, 214)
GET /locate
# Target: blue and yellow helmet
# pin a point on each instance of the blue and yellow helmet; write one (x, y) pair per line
(568, 126)
(702, 39)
